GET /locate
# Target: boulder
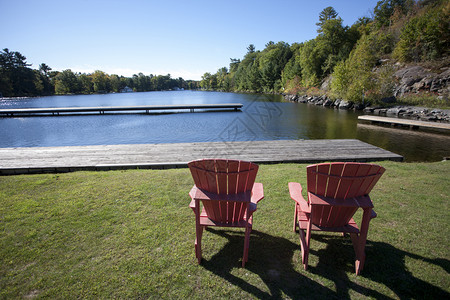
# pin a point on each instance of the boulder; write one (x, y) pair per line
(293, 98)
(336, 102)
(395, 110)
(415, 79)
(344, 104)
(380, 111)
(302, 99)
(359, 106)
(327, 102)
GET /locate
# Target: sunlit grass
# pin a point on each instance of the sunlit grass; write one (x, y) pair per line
(129, 234)
(425, 99)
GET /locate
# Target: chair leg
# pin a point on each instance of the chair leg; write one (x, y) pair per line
(354, 237)
(295, 218)
(304, 245)
(361, 245)
(198, 242)
(248, 229)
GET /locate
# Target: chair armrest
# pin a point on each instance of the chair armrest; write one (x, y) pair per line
(192, 204)
(257, 192)
(295, 190)
(192, 192)
(326, 201)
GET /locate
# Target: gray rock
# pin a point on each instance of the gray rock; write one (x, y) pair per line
(345, 104)
(327, 102)
(380, 111)
(414, 79)
(395, 110)
(358, 106)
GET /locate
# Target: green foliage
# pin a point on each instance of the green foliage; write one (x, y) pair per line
(209, 81)
(353, 77)
(67, 82)
(87, 87)
(318, 57)
(234, 64)
(16, 79)
(385, 9)
(312, 58)
(272, 61)
(101, 82)
(247, 76)
(326, 14)
(292, 69)
(426, 36)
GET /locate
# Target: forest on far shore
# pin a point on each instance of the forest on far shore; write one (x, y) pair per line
(17, 79)
(357, 62)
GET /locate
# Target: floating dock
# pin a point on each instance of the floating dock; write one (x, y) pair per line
(162, 156)
(102, 109)
(413, 124)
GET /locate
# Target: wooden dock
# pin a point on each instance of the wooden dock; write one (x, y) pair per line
(102, 109)
(413, 124)
(160, 156)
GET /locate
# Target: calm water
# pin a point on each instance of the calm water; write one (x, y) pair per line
(263, 117)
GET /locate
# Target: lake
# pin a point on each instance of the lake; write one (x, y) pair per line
(263, 117)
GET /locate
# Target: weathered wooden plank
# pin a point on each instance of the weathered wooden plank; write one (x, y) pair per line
(406, 122)
(101, 109)
(106, 157)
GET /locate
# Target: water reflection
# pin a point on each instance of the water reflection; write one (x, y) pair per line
(414, 145)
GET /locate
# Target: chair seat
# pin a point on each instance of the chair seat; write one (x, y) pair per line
(303, 221)
(206, 221)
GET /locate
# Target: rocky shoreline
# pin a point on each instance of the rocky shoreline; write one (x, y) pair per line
(413, 79)
(410, 112)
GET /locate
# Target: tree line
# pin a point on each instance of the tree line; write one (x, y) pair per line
(345, 56)
(17, 79)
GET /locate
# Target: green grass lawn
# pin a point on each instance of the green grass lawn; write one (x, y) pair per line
(130, 234)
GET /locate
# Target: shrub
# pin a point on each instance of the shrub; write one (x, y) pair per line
(425, 36)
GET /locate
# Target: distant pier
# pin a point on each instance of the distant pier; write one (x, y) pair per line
(413, 124)
(56, 111)
(161, 156)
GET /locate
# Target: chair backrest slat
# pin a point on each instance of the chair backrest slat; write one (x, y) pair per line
(233, 168)
(340, 181)
(224, 177)
(242, 176)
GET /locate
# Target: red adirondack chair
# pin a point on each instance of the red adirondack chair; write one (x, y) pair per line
(335, 192)
(229, 195)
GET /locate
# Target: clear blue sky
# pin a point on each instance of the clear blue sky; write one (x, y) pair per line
(178, 37)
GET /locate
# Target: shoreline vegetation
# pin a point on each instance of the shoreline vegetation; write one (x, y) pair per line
(401, 55)
(130, 234)
(18, 80)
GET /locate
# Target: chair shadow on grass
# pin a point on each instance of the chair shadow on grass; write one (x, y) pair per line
(270, 257)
